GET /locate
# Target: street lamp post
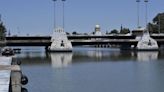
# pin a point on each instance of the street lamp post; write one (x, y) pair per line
(54, 13)
(138, 18)
(63, 14)
(146, 1)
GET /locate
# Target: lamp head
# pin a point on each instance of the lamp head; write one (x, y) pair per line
(146, 1)
(137, 0)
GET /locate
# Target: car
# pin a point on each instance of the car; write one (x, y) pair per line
(7, 52)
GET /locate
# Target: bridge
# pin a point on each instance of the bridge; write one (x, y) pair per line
(78, 40)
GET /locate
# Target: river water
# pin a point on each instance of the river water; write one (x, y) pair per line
(93, 70)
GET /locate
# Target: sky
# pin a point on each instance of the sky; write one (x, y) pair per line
(36, 17)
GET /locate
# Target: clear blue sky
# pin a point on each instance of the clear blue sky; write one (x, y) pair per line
(36, 17)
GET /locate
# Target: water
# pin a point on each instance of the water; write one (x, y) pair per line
(93, 70)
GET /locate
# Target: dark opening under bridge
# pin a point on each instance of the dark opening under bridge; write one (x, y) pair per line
(77, 40)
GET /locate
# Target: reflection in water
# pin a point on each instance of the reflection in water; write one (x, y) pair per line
(60, 60)
(24, 89)
(147, 56)
(96, 54)
(85, 74)
(103, 55)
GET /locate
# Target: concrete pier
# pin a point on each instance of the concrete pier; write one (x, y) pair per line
(10, 75)
(4, 74)
(15, 82)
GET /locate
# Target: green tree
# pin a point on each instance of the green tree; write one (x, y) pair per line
(2, 31)
(114, 31)
(85, 33)
(153, 28)
(67, 33)
(158, 23)
(74, 33)
(124, 31)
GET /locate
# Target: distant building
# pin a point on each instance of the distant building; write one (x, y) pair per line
(97, 30)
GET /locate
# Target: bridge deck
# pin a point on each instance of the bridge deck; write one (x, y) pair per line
(77, 40)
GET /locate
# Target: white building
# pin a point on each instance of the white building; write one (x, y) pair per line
(97, 31)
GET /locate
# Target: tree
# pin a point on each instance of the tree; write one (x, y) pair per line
(153, 28)
(125, 31)
(67, 33)
(74, 33)
(2, 31)
(85, 33)
(93, 33)
(114, 31)
(159, 23)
